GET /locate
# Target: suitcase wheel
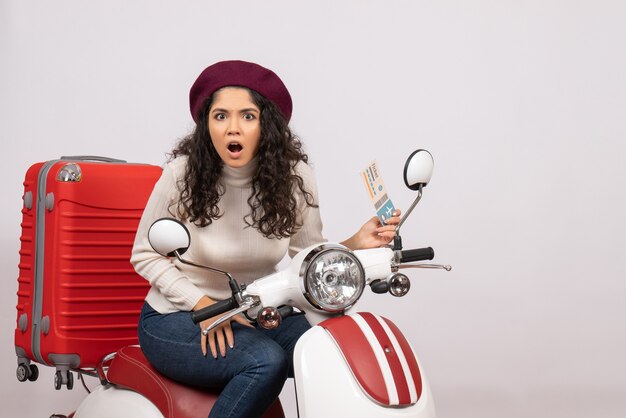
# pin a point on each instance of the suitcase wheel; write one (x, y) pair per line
(22, 372)
(27, 372)
(64, 377)
(34, 373)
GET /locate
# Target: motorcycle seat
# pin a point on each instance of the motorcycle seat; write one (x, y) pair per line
(131, 370)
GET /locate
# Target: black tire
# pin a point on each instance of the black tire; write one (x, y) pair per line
(22, 372)
(34, 373)
(70, 380)
(58, 380)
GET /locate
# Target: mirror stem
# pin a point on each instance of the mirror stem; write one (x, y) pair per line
(408, 212)
(234, 286)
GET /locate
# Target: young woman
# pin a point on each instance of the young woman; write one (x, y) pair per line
(241, 184)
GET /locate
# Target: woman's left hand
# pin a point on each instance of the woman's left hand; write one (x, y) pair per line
(373, 234)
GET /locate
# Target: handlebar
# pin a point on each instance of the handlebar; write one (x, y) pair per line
(214, 310)
(418, 254)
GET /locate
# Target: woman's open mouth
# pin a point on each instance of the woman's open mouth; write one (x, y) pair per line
(235, 148)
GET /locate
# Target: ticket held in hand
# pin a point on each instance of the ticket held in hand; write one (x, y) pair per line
(378, 193)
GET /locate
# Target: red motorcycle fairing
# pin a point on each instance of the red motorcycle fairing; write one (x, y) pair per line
(379, 357)
(130, 370)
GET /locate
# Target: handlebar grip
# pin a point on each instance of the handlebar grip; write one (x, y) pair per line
(214, 310)
(418, 254)
(285, 311)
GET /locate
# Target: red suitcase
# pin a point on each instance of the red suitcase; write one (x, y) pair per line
(78, 295)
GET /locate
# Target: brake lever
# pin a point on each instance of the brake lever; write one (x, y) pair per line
(425, 266)
(248, 303)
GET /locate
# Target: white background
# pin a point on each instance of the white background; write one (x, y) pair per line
(522, 104)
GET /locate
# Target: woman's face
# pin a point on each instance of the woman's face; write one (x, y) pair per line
(235, 126)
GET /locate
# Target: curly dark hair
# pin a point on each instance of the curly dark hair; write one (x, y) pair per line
(273, 204)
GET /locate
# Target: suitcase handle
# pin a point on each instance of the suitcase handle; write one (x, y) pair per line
(92, 158)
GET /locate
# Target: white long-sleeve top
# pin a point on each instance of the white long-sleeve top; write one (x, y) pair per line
(227, 244)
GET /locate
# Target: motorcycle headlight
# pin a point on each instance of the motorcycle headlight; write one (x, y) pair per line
(334, 278)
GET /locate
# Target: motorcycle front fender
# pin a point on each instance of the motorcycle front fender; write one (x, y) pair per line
(326, 386)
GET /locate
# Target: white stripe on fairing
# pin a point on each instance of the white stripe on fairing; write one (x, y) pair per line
(383, 364)
(405, 365)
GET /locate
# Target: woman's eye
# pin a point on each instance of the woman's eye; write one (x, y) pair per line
(220, 116)
(248, 116)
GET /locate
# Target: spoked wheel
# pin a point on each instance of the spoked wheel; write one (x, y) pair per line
(58, 380)
(64, 377)
(22, 372)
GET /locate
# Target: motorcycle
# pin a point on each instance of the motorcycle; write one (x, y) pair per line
(348, 364)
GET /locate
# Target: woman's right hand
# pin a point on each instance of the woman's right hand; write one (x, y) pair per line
(223, 333)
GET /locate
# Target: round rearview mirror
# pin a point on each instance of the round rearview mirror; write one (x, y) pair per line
(168, 235)
(418, 169)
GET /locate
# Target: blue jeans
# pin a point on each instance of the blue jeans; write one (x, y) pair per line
(251, 375)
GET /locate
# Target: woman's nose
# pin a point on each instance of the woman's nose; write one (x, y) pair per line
(233, 126)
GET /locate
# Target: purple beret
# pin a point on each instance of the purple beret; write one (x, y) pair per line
(242, 74)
